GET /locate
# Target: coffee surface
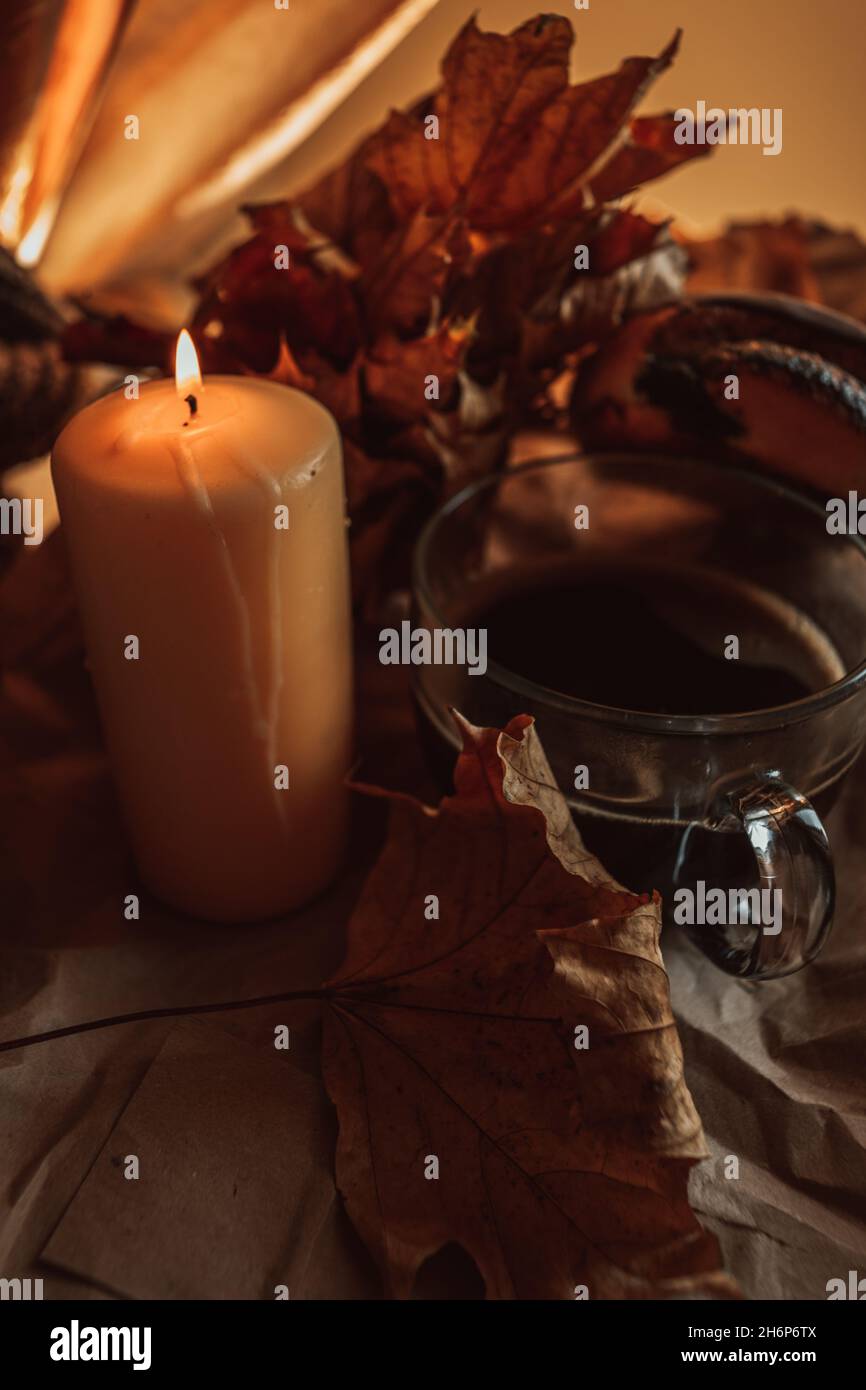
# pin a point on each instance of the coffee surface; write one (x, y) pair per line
(654, 639)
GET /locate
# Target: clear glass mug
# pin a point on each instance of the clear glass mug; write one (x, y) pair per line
(730, 798)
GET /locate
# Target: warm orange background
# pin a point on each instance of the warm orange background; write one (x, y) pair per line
(805, 56)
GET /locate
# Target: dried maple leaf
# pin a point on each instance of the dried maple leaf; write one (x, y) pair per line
(395, 373)
(248, 303)
(402, 289)
(412, 238)
(558, 1166)
(647, 151)
(514, 137)
(349, 205)
(634, 265)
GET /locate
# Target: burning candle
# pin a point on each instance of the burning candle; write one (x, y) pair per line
(207, 541)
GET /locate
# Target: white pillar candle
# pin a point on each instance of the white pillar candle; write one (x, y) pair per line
(207, 541)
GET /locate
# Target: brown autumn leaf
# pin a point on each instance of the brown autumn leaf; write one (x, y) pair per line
(635, 265)
(515, 138)
(403, 286)
(395, 372)
(349, 205)
(647, 151)
(455, 1037)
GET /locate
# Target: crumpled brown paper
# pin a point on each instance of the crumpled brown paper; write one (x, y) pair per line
(778, 1073)
(776, 1069)
(232, 1151)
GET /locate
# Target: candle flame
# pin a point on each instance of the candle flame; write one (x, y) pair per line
(187, 373)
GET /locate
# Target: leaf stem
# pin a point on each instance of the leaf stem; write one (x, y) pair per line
(226, 1006)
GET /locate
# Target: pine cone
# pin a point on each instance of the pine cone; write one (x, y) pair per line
(38, 389)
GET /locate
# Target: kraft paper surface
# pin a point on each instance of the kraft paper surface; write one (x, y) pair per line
(234, 1139)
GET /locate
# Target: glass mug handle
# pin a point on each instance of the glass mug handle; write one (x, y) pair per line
(793, 856)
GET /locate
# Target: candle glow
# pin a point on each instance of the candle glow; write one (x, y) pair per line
(187, 372)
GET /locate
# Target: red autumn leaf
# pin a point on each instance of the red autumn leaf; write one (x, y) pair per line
(286, 225)
(117, 339)
(453, 1035)
(250, 302)
(621, 240)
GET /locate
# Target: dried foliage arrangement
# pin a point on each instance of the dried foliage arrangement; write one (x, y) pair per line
(428, 291)
(429, 286)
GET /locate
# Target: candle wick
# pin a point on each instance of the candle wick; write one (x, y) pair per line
(193, 407)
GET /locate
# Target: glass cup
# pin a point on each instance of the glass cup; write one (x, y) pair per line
(671, 799)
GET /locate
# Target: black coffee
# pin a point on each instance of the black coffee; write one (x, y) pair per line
(657, 639)
(648, 637)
